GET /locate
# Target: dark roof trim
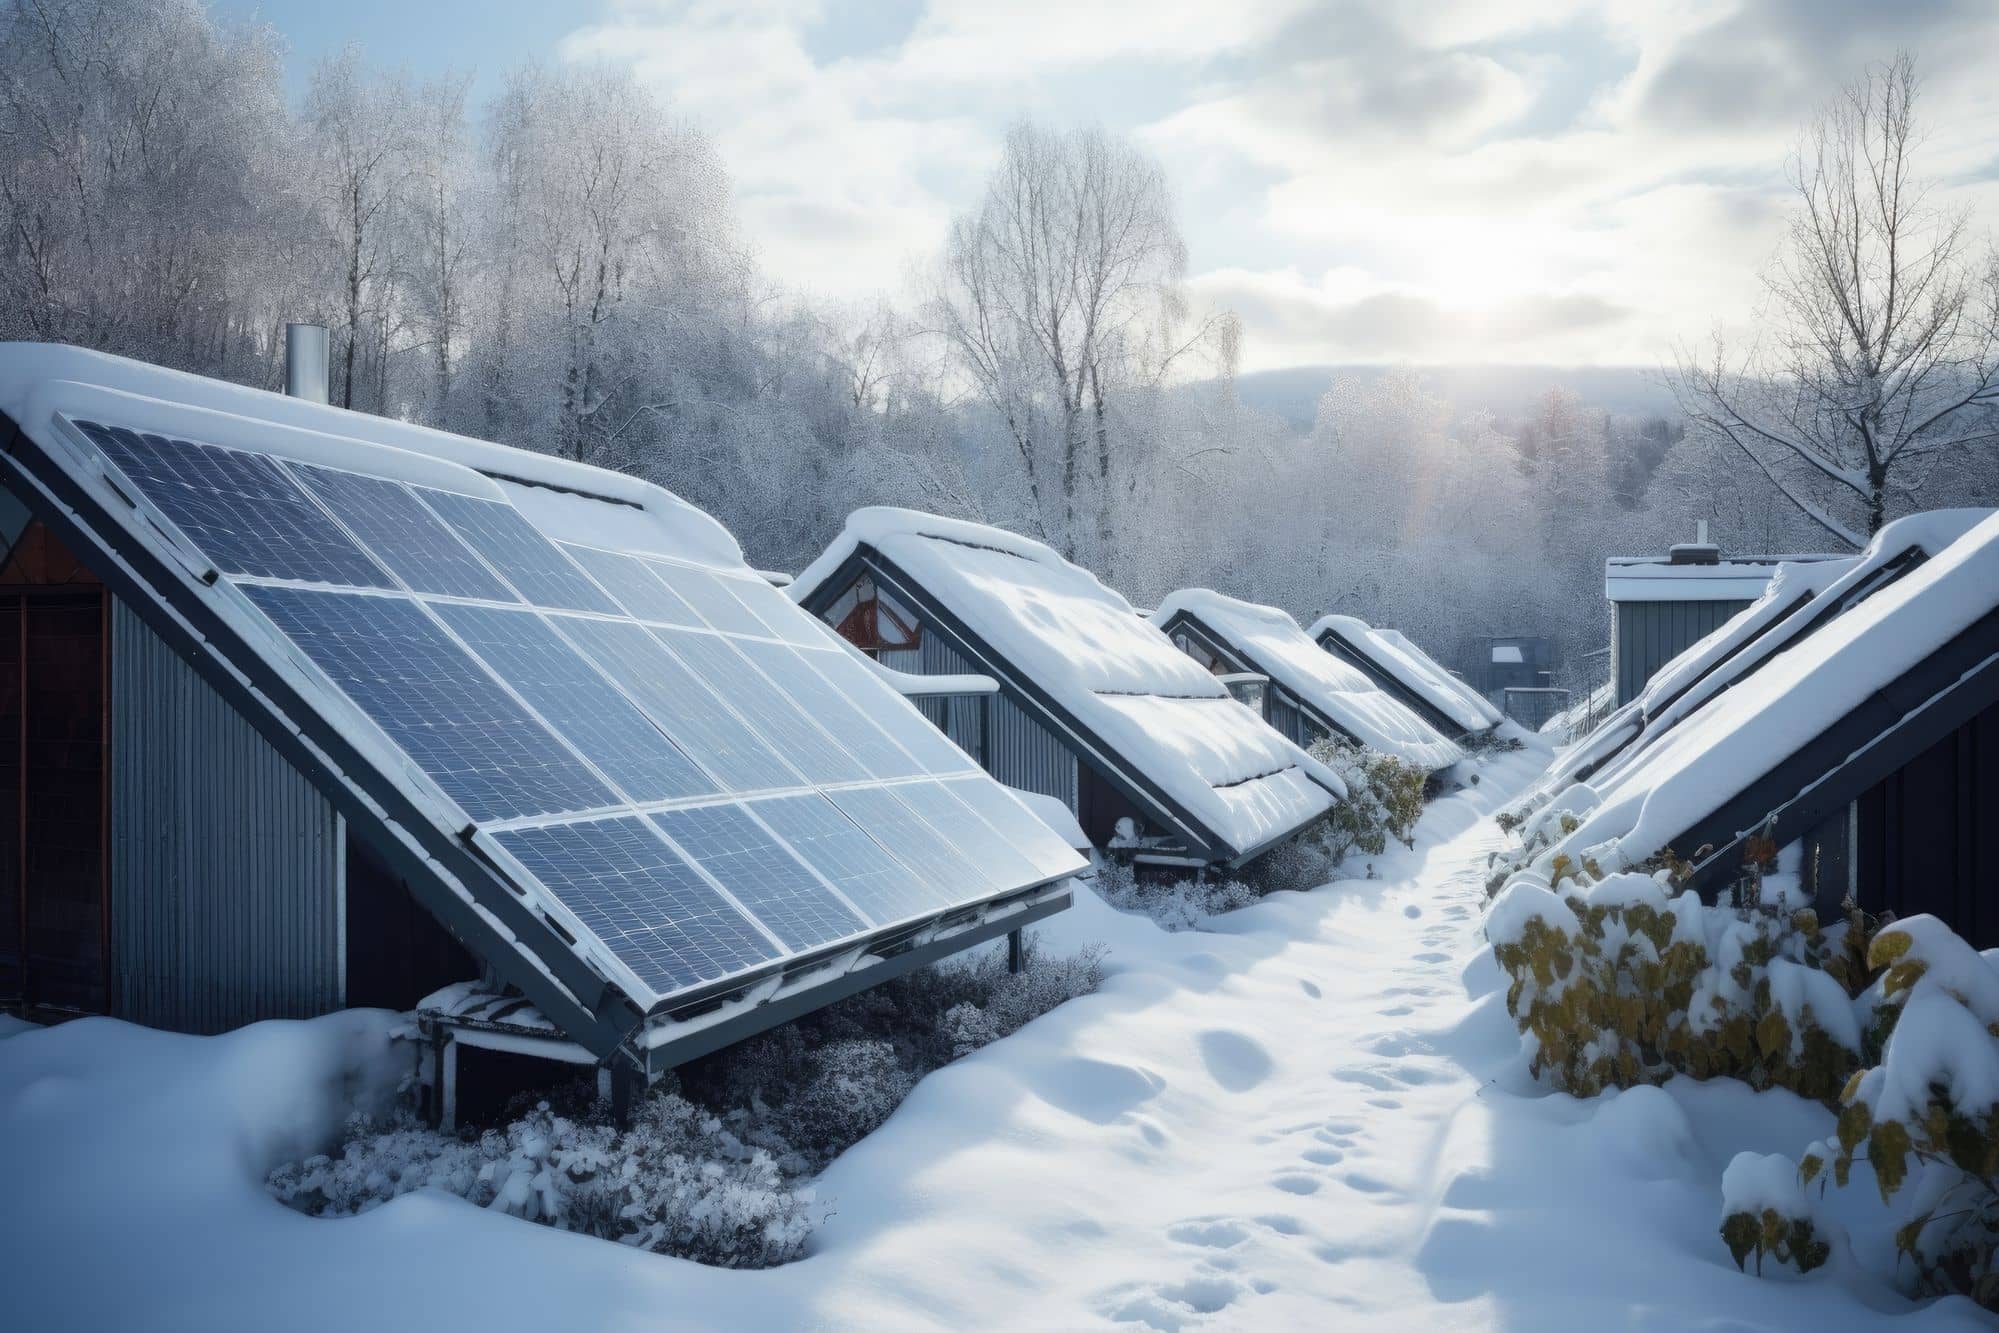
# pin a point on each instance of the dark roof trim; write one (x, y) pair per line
(1886, 730)
(1089, 747)
(1443, 722)
(1185, 621)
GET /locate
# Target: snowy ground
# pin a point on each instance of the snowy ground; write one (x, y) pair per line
(1310, 1116)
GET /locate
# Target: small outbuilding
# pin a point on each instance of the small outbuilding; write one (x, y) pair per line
(1311, 694)
(1096, 708)
(1409, 674)
(309, 708)
(1662, 605)
(1867, 741)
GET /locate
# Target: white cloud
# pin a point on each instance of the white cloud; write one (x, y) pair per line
(1558, 180)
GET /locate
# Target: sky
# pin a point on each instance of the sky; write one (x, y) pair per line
(1556, 182)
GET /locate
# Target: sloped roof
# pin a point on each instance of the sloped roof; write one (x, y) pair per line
(1810, 684)
(1391, 652)
(1054, 624)
(1269, 641)
(620, 764)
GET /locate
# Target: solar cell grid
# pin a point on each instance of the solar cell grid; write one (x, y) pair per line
(680, 705)
(1018, 827)
(765, 878)
(779, 613)
(836, 847)
(393, 524)
(628, 580)
(878, 755)
(516, 548)
(481, 747)
(239, 509)
(937, 807)
(923, 849)
(708, 594)
(769, 711)
(522, 650)
(867, 691)
(651, 909)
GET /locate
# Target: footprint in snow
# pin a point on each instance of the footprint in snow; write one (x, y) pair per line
(1295, 1184)
(1412, 911)
(1323, 1156)
(1309, 988)
(1396, 1011)
(1210, 1233)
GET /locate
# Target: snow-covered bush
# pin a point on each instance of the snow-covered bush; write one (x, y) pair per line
(1384, 800)
(1623, 980)
(1187, 902)
(1926, 1117)
(1766, 1215)
(675, 1181)
(716, 1162)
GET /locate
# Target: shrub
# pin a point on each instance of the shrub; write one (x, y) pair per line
(716, 1162)
(1932, 1102)
(1384, 800)
(1625, 981)
(675, 1181)
(1765, 1215)
(1186, 903)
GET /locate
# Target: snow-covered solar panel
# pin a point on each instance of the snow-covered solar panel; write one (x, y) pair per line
(598, 713)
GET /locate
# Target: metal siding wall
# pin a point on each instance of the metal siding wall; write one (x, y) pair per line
(1651, 634)
(225, 861)
(1019, 751)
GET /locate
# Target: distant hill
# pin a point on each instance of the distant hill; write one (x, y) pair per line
(1293, 394)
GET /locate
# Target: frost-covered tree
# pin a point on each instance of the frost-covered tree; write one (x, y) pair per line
(1879, 357)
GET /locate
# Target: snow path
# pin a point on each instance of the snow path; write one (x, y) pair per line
(1310, 1116)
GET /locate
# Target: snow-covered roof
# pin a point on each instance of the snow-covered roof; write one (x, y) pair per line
(1268, 640)
(1052, 623)
(612, 757)
(1665, 579)
(1726, 746)
(1391, 653)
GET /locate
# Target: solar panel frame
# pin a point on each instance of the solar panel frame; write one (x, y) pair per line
(532, 564)
(374, 508)
(631, 582)
(709, 595)
(772, 714)
(761, 872)
(844, 853)
(429, 601)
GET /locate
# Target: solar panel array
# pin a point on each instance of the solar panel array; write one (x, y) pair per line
(694, 776)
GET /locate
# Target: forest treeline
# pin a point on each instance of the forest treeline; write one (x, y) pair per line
(561, 269)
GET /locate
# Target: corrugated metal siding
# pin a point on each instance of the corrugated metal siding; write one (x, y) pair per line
(226, 863)
(1018, 749)
(1647, 635)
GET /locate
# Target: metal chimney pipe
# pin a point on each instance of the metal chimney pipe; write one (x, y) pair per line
(1700, 524)
(308, 352)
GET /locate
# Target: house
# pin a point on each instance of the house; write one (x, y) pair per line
(1310, 693)
(1798, 599)
(1662, 605)
(1095, 707)
(317, 709)
(1518, 662)
(1409, 674)
(1866, 745)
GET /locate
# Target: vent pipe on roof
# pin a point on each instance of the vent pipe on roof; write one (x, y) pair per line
(307, 361)
(1700, 532)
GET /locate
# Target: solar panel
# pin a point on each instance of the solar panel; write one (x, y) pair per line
(512, 545)
(655, 912)
(937, 807)
(784, 618)
(759, 873)
(1017, 826)
(672, 757)
(858, 866)
(628, 580)
(858, 683)
(239, 509)
(680, 705)
(388, 518)
(878, 755)
(709, 594)
(769, 712)
(481, 747)
(605, 727)
(925, 850)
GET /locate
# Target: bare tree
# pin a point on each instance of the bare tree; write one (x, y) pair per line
(1063, 289)
(361, 129)
(1881, 348)
(439, 214)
